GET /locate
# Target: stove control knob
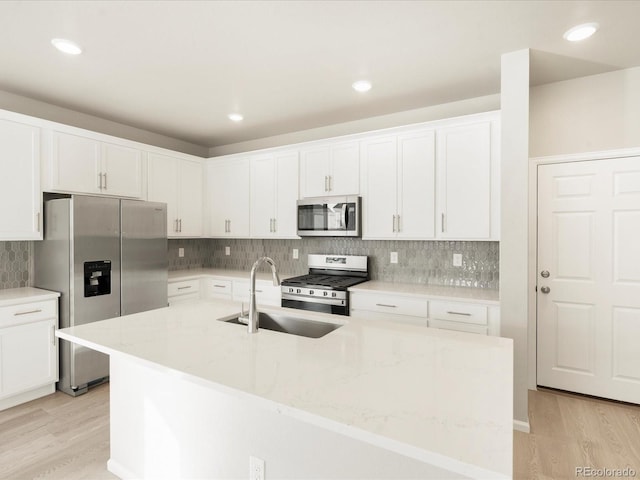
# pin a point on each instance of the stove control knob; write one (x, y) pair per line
(290, 290)
(310, 292)
(334, 294)
(325, 293)
(298, 290)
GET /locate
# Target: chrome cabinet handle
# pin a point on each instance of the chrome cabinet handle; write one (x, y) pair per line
(398, 225)
(229, 223)
(326, 183)
(275, 226)
(545, 289)
(180, 226)
(386, 305)
(105, 181)
(442, 222)
(330, 179)
(460, 313)
(175, 228)
(100, 180)
(220, 286)
(394, 224)
(27, 313)
(184, 288)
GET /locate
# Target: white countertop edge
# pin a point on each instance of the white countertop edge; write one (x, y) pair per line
(432, 458)
(404, 290)
(200, 273)
(16, 296)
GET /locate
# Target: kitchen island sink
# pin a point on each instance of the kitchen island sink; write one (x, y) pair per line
(195, 397)
(287, 324)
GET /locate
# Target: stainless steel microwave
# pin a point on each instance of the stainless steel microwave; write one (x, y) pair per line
(329, 216)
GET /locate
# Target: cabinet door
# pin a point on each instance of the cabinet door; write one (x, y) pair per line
(163, 174)
(27, 357)
(314, 172)
(416, 186)
(344, 177)
(464, 181)
(228, 184)
(122, 171)
(190, 199)
(76, 164)
(286, 225)
(263, 196)
(380, 188)
(20, 181)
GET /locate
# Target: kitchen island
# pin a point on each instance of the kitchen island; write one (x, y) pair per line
(194, 397)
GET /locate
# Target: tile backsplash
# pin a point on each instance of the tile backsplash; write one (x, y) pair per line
(425, 262)
(15, 264)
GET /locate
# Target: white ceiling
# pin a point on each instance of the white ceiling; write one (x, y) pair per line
(179, 67)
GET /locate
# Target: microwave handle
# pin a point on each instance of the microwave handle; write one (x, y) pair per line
(345, 216)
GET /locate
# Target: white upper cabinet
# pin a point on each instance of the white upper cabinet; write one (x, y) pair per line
(20, 196)
(228, 183)
(468, 181)
(274, 191)
(332, 169)
(398, 178)
(178, 183)
(85, 165)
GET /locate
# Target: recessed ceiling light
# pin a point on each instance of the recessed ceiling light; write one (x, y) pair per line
(235, 117)
(362, 86)
(66, 46)
(580, 32)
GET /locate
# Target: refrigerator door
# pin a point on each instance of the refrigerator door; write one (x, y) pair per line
(144, 256)
(95, 243)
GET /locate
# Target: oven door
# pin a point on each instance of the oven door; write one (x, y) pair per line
(329, 217)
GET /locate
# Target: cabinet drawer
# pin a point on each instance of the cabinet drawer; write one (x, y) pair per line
(389, 304)
(28, 312)
(214, 288)
(184, 288)
(458, 312)
(459, 326)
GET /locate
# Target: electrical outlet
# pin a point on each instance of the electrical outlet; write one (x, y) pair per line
(295, 254)
(394, 257)
(180, 252)
(256, 468)
(457, 259)
(227, 250)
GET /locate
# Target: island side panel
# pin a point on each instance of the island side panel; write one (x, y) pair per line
(166, 426)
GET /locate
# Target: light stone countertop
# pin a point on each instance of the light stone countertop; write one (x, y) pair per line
(15, 296)
(457, 294)
(197, 273)
(439, 396)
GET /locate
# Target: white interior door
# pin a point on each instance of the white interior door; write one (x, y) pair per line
(589, 303)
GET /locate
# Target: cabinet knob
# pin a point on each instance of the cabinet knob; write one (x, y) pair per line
(545, 289)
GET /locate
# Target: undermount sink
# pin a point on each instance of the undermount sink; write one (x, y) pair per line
(294, 326)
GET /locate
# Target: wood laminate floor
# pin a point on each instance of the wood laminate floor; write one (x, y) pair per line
(65, 438)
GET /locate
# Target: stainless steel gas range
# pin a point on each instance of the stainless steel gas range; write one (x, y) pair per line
(324, 289)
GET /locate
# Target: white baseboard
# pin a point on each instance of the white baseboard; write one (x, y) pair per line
(24, 397)
(521, 426)
(119, 471)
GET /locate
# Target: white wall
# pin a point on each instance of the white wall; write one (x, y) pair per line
(599, 112)
(435, 112)
(54, 113)
(514, 235)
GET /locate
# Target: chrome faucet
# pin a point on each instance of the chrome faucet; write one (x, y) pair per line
(252, 318)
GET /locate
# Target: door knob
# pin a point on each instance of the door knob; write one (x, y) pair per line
(544, 273)
(545, 289)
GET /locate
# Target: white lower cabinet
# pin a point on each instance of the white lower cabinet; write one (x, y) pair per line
(213, 287)
(183, 290)
(28, 351)
(459, 316)
(391, 307)
(266, 292)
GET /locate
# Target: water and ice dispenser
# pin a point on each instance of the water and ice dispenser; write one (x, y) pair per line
(97, 278)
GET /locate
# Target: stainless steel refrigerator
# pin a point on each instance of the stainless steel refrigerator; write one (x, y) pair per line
(107, 257)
